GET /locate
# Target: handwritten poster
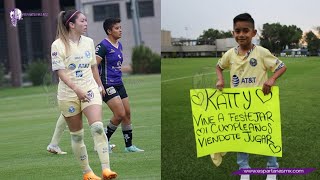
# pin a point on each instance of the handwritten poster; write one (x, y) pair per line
(238, 120)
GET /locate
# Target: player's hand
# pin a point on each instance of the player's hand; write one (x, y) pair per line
(103, 92)
(267, 86)
(82, 95)
(220, 85)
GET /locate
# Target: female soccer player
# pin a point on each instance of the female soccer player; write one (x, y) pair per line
(73, 59)
(109, 57)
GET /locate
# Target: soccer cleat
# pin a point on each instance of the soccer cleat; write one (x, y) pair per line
(55, 149)
(108, 174)
(90, 176)
(111, 147)
(271, 177)
(133, 149)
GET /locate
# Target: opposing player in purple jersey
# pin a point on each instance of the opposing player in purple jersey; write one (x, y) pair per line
(109, 57)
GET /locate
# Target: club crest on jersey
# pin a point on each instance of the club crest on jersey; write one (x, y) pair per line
(119, 56)
(72, 66)
(71, 109)
(253, 62)
(90, 94)
(87, 54)
(79, 73)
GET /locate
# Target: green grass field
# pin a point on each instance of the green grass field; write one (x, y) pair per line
(28, 117)
(299, 100)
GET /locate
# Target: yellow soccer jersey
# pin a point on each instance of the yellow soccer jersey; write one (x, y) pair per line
(249, 70)
(77, 65)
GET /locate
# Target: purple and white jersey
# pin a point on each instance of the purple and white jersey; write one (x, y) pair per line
(110, 66)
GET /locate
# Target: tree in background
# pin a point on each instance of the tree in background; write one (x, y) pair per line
(313, 42)
(210, 35)
(277, 37)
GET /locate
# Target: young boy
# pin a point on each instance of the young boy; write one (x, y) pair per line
(248, 64)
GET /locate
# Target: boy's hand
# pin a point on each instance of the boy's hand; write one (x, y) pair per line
(267, 86)
(220, 85)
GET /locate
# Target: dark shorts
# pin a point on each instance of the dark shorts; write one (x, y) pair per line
(113, 91)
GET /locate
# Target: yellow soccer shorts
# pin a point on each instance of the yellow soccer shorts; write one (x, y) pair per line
(74, 106)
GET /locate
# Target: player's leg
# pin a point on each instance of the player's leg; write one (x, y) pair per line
(116, 106)
(53, 147)
(93, 113)
(113, 100)
(127, 128)
(126, 122)
(73, 116)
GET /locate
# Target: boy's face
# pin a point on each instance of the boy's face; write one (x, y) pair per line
(243, 32)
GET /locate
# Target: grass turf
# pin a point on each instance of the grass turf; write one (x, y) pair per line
(28, 117)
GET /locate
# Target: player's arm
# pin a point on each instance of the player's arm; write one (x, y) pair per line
(272, 80)
(96, 77)
(220, 82)
(276, 66)
(223, 63)
(80, 93)
(100, 52)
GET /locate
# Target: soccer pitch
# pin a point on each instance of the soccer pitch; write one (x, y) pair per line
(28, 117)
(299, 101)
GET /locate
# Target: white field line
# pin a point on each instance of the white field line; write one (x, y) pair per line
(186, 77)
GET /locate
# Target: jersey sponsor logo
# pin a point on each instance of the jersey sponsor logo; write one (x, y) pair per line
(83, 65)
(253, 62)
(54, 62)
(111, 90)
(71, 109)
(248, 80)
(87, 54)
(97, 48)
(90, 94)
(279, 67)
(54, 54)
(235, 80)
(79, 73)
(112, 51)
(72, 66)
(77, 58)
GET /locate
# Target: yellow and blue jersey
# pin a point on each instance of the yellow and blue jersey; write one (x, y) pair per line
(250, 70)
(77, 65)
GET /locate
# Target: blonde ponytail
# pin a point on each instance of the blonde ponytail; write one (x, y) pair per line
(62, 32)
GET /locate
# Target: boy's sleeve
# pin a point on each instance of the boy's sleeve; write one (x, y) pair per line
(271, 62)
(57, 58)
(224, 61)
(93, 52)
(101, 51)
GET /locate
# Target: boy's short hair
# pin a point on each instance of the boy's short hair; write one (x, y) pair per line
(109, 22)
(243, 17)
